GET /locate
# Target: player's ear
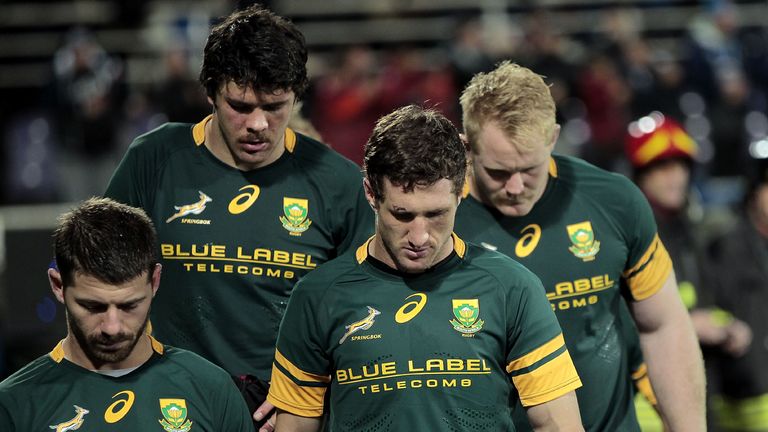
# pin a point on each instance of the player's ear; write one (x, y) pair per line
(369, 195)
(156, 278)
(57, 284)
(555, 135)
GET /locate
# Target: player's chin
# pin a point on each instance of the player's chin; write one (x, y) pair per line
(514, 210)
(407, 265)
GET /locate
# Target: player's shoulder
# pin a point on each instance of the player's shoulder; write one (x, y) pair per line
(167, 137)
(182, 360)
(506, 270)
(581, 177)
(28, 377)
(320, 159)
(339, 270)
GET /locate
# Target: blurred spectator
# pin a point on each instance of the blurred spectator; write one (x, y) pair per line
(178, 94)
(88, 102)
(410, 77)
(668, 90)
(552, 55)
(740, 258)
(301, 124)
(712, 48)
(28, 173)
(467, 53)
(729, 134)
(347, 102)
(606, 97)
(662, 155)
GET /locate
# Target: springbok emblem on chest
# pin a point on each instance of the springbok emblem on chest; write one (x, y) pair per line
(363, 324)
(73, 424)
(188, 209)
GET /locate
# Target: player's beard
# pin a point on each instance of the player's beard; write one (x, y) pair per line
(93, 345)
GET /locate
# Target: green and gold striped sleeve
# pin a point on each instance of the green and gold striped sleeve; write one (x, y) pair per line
(648, 275)
(545, 373)
(296, 391)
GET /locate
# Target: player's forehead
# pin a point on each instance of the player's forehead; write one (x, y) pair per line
(88, 287)
(246, 94)
(497, 149)
(421, 199)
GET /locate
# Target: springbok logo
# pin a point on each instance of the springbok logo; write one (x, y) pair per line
(73, 424)
(189, 209)
(363, 324)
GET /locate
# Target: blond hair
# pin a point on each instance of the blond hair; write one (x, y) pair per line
(513, 97)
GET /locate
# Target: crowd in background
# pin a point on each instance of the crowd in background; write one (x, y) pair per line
(712, 79)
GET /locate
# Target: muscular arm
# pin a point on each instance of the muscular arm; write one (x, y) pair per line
(561, 414)
(673, 357)
(287, 422)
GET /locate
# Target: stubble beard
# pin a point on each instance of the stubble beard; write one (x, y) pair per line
(89, 344)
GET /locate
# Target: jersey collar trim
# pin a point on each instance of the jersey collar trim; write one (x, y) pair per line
(290, 140)
(362, 252)
(552, 167)
(198, 134)
(156, 346)
(198, 130)
(57, 354)
(459, 246)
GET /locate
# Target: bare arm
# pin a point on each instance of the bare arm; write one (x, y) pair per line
(561, 414)
(287, 422)
(673, 357)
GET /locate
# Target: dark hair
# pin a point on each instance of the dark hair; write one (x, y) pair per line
(414, 146)
(258, 49)
(112, 242)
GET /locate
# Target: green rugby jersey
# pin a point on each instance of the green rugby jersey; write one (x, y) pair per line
(234, 242)
(174, 391)
(591, 238)
(427, 352)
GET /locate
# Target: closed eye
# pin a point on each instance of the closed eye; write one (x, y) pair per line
(497, 174)
(94, 307)
(239, 107)
(273, 106)
(403, 217)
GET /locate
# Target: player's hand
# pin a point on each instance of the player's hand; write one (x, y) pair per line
(264, 410)
(739, 338)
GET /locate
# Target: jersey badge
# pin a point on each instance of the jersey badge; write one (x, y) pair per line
(363, 324)
(174, 415)
(295, 212)
(73, 424)
(467, 313)
(583, 238)
(188, 209)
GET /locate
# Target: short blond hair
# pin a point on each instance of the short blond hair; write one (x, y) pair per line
(513, 97)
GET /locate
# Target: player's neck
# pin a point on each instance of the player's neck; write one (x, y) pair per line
(475, 193)
(214, 141)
